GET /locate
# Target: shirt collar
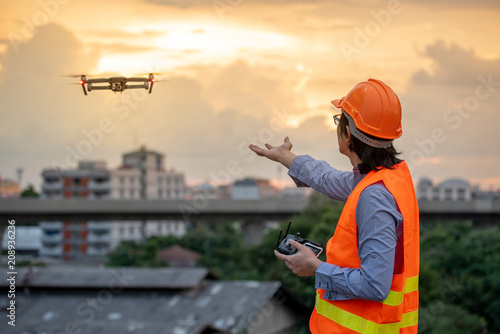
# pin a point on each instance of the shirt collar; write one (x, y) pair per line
(361, 169)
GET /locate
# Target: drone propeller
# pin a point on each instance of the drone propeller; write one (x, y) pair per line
(74, 75)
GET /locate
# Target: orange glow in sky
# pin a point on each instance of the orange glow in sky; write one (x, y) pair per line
(227, 71)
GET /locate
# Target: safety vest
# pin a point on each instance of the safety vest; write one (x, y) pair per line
(398, 313)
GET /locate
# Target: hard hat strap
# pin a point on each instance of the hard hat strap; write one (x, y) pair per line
(377, 143)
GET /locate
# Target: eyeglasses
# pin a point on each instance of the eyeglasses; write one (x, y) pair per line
(336, 119)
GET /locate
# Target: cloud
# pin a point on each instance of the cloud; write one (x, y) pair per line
(229, 3)
(126, 35)
(115, 48)
(459, 99)
(454, 66)
(38, 107)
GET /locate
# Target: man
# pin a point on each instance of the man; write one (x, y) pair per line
(369, 283)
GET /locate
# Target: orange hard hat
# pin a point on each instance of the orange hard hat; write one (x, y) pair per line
(374, 108)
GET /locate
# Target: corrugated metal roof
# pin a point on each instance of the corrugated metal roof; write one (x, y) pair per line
(226, 306)
(97, 278)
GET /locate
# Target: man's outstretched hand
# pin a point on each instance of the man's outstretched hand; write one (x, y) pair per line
(281, 154)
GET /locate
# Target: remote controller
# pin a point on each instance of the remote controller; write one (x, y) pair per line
(284, 246)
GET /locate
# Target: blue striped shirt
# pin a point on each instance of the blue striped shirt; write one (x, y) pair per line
(379, 224)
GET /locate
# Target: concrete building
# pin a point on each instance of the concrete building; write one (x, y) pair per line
(90, 180)
(147, 300)
(142, 175)
(9, 188)
(250, 188)
(448, 190)
(245, 189)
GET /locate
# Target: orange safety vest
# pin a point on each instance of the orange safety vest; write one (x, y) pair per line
(398, 313)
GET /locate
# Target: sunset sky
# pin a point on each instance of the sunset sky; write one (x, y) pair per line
(242, 72)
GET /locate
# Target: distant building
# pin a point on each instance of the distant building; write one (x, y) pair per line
(28, 240)
(142, 175)
(250, 188)
(177, 256)
(266, 189)
(149, 300)
(9, 188)
(245, 189)
(448, 190)
(91, 180)
(205, 191)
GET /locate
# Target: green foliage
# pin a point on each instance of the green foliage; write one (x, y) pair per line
(130, 254)
(440, 317)
(30, 192)
(460, 271)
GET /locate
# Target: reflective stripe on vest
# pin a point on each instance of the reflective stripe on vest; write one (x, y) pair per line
(395, 298)
(359, 324)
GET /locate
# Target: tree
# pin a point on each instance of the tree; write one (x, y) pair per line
(30, 192)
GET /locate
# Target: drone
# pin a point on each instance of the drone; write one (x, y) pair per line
(117, 84)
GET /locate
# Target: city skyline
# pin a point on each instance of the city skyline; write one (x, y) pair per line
(246, 72)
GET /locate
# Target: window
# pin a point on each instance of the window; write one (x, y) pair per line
(132, 180)
(132, 193)
(461, 194)
(160, 193)
(448, 193)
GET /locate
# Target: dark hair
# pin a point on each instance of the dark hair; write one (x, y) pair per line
(373, 158)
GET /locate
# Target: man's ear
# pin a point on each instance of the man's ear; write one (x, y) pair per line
(348, 137)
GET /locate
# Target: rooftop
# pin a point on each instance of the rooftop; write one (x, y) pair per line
(110, 307)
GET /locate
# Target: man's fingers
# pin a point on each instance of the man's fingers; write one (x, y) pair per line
(256, 149)
(295, 244)
(269, 146)
(280, 256)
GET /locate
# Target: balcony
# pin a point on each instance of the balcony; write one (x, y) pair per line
(99, 186)
(52, 239)
(93, 238)
(51, 186)
(51, 251)
(51, 225)
(96, 225)
(97, 251)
